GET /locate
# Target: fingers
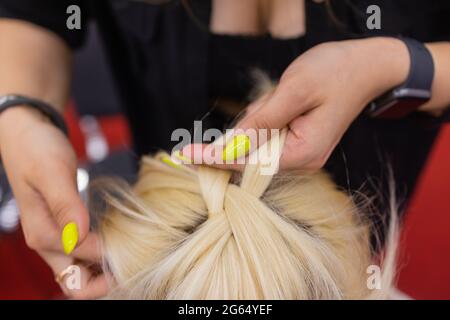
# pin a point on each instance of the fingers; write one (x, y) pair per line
(207, 154)
(251, 108)
(306, 149)
(273, 112)
(277, 109)
(42, 173)
(93, 285)
(43, 233)
(76, 279)
(39, 228)
(60, 193)
(89, 249)
(308, 146)
(58, 263)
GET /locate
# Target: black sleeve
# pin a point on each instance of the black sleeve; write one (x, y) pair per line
(50, 14)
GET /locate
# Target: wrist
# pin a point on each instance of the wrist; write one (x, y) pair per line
(387, 62)
(19, 116)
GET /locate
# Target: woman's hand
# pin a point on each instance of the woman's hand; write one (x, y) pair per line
(319, 95)
(41, 167)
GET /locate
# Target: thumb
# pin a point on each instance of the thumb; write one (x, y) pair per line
(275, 110)
(274, 113)
(263, 119)
(66, 207)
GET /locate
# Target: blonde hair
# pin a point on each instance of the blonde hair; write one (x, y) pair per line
(182, 233)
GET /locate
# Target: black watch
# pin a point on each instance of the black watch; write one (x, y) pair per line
(414, 92)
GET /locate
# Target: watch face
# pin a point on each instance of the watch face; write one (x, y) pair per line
(399, 108)
(398, 103)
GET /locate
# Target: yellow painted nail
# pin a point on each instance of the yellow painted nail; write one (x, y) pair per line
(167, 160)
(239, 146)
(179, 156)
(69, 237)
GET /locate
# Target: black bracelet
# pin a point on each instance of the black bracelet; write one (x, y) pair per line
(14, 100)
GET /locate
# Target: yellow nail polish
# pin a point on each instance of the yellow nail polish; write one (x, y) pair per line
(167, 160)
(239, 146)
(69, 237)
(179, 156)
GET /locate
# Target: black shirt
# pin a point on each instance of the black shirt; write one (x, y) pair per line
(168, 67)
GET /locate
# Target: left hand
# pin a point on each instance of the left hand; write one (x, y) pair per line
(319, 95)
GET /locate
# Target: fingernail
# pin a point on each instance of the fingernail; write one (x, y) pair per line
(239, 146)
(167, 160)
(69, 237)
(181, 157)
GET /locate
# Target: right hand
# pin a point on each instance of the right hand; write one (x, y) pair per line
(41, 167)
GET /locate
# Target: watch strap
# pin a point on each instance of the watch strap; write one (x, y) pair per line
(421, 71)
(411, 94)
(9, 101)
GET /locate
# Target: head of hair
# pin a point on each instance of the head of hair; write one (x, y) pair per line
(184, 233)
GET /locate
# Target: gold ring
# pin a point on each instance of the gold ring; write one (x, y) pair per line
(59, 277)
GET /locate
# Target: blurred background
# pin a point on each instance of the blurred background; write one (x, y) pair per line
(101, 139)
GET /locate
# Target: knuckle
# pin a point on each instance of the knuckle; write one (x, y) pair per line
(298, 133)
(262, 121)
(59, 208)
(35, 241)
